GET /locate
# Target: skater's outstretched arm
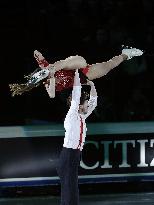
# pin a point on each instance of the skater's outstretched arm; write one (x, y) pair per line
(75, 98)
(76, 93)
(92, 103)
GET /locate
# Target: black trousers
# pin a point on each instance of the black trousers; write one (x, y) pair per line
(67, 169)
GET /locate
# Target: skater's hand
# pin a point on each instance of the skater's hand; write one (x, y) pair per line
(51, 74)
(47, 82)
(77, 78)
(89, 82)
(52, 70)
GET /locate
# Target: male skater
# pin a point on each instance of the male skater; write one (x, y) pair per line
(75, 126)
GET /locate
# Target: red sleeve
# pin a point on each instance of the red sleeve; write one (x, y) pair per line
(85, 70)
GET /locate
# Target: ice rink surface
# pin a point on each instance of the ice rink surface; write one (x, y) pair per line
(107, 199)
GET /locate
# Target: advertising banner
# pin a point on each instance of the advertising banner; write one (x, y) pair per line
(29, 156)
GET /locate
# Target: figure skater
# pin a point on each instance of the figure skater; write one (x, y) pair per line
(60, 75)
(75, 133)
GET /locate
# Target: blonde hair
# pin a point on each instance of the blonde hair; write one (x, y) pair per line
(19, 89)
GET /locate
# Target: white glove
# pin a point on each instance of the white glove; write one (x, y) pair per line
(131, 52)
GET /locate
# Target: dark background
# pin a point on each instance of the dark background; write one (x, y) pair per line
(94, 29)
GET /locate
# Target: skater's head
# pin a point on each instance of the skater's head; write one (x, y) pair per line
(35, 79)
(83, 107)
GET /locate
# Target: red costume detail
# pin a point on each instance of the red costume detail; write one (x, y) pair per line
(64, 78)
(81, 133)
(42, 63)
(85, 70)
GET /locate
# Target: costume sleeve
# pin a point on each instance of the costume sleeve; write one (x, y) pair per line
(76, 94)
(92, 103)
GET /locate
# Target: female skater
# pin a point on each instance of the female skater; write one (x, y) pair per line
(60, 75)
